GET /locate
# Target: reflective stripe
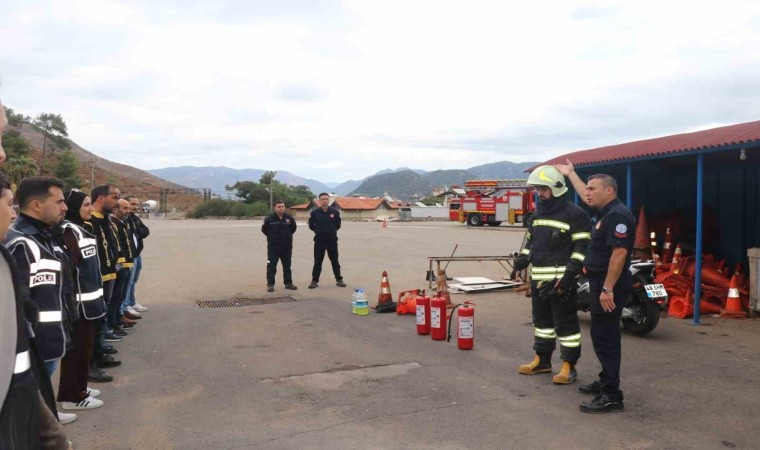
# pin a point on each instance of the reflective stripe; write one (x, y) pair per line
(733, 293)
(552, 223)
(572, 341)
(654, 243)
(579, 236)
(579, 256)
(90, 296)
(543, 277)
(45, 264)
(50, 316)
(545, 333)
(560, 269)
(23, 362)
(525, 251)
(527, 235)
(87, 242)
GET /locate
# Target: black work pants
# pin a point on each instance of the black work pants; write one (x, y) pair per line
(553, 318)
(76, 362)
(117, 296)
(605, 330)
(284, 254)
(320, 247)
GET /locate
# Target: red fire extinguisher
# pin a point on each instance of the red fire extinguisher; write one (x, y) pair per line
(465, 327)
(423, 314)
(438, 318)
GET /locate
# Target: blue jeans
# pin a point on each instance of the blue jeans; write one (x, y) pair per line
(50, 366)
(134, 275)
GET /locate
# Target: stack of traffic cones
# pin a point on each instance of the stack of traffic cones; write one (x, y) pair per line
(385, 295)
(733, 309)
(641, 245)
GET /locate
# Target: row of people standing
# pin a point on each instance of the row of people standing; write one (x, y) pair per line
(74, 268)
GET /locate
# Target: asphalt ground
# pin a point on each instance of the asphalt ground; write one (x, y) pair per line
(309, 374)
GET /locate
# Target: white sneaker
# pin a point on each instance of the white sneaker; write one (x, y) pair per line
(65, 418)
(131, 310)
(88, 403)
(93, 392)
(139, 308)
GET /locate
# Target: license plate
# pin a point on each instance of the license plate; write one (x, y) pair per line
(655, 290)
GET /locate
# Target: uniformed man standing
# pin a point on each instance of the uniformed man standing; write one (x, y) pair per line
(555, 246)
(325, 223)
(279, 228)
(609, 256)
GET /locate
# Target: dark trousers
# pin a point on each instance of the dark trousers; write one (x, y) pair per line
(117, 296)
(605, 331)
(273, 255)
(558, 315)
(101, 325)
(320, 247)
(76, 362)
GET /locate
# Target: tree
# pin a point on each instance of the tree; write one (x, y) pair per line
(19, 168)
(268, 177)
(15, 120)
(53, 128)
(14, 144)
(67, 170)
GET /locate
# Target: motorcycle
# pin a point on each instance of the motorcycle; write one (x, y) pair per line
(642, 309)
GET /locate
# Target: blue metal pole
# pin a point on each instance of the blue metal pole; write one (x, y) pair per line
(628, 186)
(698, 256)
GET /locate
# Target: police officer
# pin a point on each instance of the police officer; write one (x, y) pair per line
(279, 228)
(555, 247)
(325, 223)
(609, 256)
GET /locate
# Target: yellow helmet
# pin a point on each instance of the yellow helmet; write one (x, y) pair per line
(550, 177)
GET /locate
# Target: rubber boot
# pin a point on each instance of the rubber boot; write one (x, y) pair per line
(540, 364)
(566, 374)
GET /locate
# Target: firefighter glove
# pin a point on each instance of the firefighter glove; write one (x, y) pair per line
(567, 282)
(521, 263)
(546, 289)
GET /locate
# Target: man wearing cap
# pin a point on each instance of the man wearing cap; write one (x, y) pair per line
(555, 248)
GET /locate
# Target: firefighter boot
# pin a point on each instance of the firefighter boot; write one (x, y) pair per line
(566, 374)
(540, 364)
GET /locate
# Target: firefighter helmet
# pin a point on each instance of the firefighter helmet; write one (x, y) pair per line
(550, 177)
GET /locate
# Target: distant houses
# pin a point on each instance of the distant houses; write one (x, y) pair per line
(354, 207)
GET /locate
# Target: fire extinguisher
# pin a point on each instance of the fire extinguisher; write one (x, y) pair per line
(423, 314)
(465, 327)
(438, 318)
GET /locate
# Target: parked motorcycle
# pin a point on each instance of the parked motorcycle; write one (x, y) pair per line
(642, 309)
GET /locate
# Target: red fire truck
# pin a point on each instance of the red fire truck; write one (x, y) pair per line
(492, 202)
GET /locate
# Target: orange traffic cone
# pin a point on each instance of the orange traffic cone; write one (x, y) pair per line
(655, 254)
(675, 265)
(442, 289)
(733, 307)
(385, 295)
(667, 246)
(712, 277)
(681, 307)
(385, 223)
(641, 244)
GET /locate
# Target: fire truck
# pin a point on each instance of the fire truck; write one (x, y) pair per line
(492, 202)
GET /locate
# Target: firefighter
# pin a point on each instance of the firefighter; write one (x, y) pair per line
(555, 247)
(279, 228)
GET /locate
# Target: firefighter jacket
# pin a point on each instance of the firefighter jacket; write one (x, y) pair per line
(107, 248)
(279, 231)
(83, 254)
(557, 240)
(139, 230)
(39, 278)
(124, 243)
(325, 224)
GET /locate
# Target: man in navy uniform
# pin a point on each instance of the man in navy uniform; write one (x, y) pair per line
(279, 228)
(325, 223)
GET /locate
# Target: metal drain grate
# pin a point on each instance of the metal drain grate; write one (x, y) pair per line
(245, 301)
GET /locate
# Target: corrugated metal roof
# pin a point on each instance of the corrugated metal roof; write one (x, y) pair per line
(359, 203)
(678, 143)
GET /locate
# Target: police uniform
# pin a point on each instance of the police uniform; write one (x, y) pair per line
(279, 233)
(325, 225)
(613, 226)
(556, 247)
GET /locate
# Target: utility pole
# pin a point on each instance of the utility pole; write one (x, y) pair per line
(93, 163)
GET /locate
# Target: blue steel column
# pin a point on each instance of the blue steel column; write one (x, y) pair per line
(698, 256)
(628, 186)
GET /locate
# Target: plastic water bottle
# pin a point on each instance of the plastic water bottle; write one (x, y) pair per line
(362, 304)
(354, 298)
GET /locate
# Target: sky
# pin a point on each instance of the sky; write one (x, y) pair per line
(337, 90)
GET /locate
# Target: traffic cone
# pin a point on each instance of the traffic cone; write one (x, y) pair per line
(641, 244)
(712, 277)
(675, 265)
(385, 295)
(733, 307)
(655, 253)
(667, 246)
(681, 307)
(385, 223)
(442, 289)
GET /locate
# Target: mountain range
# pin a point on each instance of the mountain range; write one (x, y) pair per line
(403, 182)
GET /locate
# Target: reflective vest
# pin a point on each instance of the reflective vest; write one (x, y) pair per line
(45, 286)
(88, 281)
